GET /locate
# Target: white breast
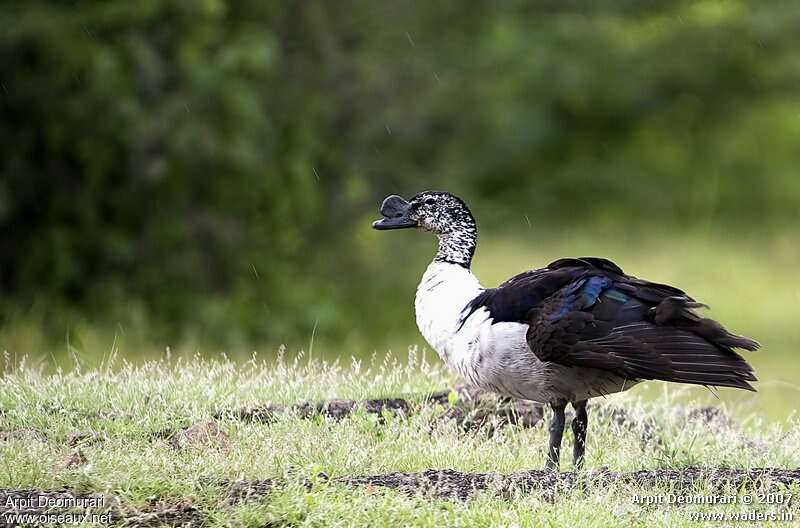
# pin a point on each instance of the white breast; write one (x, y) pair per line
(442, 294)
(477, 349)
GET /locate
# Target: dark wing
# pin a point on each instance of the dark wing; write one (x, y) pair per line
(514, 299)
(587, 313)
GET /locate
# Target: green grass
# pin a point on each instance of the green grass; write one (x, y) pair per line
(126, 404)
(116, 383)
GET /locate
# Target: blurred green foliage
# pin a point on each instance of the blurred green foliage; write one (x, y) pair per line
(214, 165)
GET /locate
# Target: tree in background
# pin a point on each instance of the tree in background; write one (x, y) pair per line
(214, 164)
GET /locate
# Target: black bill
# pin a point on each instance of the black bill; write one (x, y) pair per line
(395, 211)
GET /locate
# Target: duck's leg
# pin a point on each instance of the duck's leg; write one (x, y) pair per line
(556, 433)
(579, 425)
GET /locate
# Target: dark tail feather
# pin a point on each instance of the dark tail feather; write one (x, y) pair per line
(700, 354)
(717, 334)
(728, 370)
(737, 341)
(679, 311)
(735, 384)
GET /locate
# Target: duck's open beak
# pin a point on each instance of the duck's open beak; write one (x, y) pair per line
(395, 211)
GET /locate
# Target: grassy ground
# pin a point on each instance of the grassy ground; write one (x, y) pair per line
(749, 281)
(121, 415)
(117, 415)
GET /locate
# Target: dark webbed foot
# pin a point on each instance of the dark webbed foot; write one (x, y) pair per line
(556, 434)
(579, 425)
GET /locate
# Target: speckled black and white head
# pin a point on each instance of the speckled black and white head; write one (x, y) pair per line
(440, 213)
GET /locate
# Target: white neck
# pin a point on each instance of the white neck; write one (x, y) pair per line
(444, 291)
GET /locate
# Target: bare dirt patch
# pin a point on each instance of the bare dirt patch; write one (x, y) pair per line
(470, 408)
(22, 435)
(444, 484)
(206, 433)
(451, 484)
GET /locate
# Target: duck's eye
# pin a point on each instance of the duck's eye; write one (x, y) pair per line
(430, 201)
